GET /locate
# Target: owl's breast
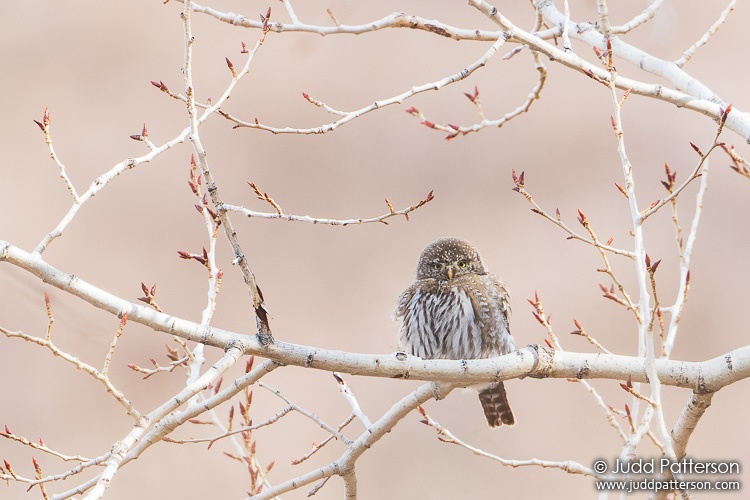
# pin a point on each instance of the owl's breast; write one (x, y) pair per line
(440, 322)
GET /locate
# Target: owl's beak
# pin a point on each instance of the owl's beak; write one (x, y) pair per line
(449, 272)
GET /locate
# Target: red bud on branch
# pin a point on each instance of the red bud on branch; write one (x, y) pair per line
(655, 266)
(473, 98)
(582, 218)
(725, 114)
(160, 85)
(231, 67)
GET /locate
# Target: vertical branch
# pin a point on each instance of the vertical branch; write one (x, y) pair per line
(691, 414)
(350, 483)
(685, 258)
(209, 262)
(694, 409)
(686, 249)
(264, 330)
(639, 252)
(604, 26)
(44, 125)
(645, 324)
(566, 29)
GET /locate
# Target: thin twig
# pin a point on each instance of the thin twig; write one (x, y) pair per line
(44, 125)
(212, 440)
(334, 222)
(454, 131)
(345, 465)
(41, 446)
(447, 436)
(308, 414)
(80, 365)
(317, 446)
(351, 399)
(398, 99)
(626, 300)
(642, 18)
(113, 345)
(520, 188)
(57, 477)
(580, 331)
(741, 165)
(706, 36)
(685, 261)
(554, 341)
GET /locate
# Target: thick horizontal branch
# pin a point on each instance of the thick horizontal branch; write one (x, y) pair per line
(532, 361)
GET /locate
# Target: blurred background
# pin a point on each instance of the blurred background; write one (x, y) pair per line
(336, 287)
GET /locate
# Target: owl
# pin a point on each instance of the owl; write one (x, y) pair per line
(456, 309)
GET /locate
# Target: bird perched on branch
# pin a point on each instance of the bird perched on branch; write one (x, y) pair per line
(456, 309)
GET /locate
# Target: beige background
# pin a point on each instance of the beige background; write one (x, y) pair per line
(336, 287)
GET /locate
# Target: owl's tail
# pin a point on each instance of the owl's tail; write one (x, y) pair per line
(495, 405)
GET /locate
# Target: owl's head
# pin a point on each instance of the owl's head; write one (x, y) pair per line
(449, 258)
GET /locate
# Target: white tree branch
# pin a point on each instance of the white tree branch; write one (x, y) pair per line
(398, 99)
(135, 437)
(569, 466)
(688, 93)
(645, 16)
(344, 466)
(707, 376)
(394, 20)
(688, 54)
(202, 393)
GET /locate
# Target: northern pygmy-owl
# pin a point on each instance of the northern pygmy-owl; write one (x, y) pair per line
(456, 309)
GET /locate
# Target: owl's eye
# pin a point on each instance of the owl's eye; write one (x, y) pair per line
(436, 266)
(462, 264)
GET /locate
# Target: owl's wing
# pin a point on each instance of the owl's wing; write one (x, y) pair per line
(493, 315)
(501, 289)
(401, 312)
(403, 302)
